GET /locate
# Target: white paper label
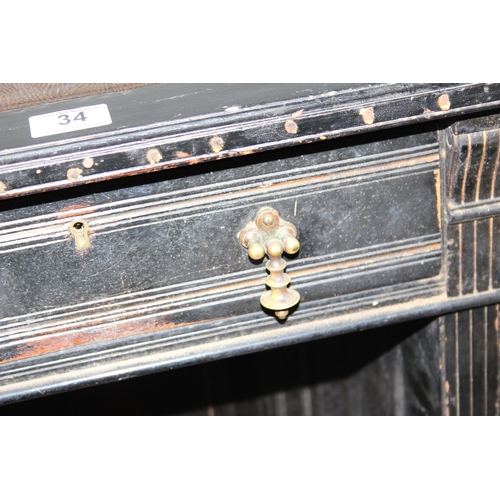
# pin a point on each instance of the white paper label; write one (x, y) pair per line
(69, 120)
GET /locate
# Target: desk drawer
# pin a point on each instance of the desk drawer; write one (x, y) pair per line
(165, 267)
(120, 250)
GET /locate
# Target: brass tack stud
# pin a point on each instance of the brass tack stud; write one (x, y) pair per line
(153, 156)
(291, 127)
(268, 220)
(274, 248)
(256, 251)
(292, 245)
(74, 174)
(281, 314)
(217, 144)
(88, 163)
(368, 115)
(444, 102)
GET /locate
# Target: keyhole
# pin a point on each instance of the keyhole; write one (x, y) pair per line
(79, 231)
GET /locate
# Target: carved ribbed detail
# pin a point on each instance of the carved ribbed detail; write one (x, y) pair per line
(473, 197)
(473, 180)
(474, 168)
(165, 336)
(474, 256)
(471, 370)
(122, 215)
(206, 293)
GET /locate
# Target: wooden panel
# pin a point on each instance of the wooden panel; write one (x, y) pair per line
(449, 349)
(473, 256)
(492, 361)
(468, 257)
(471, 361)
(184, 121)
(385, 371)
(495, 245)
(165, 281)
(164, 256)
(479, 365)
(414, 368)
(465, 362)
(473, 173)
(483, 248)
(453, 255)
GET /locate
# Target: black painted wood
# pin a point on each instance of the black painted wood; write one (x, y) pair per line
(387, 371)
(393, 189)
(471, 351)
(483, 229)
(182, 123)
(416, 368)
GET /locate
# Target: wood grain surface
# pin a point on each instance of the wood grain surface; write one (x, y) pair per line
(384, 371)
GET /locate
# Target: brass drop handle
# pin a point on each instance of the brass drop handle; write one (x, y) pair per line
(270, 234)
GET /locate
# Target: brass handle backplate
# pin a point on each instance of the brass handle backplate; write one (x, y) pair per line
(270, 234)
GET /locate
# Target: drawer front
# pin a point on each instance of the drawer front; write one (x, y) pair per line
(165, 270)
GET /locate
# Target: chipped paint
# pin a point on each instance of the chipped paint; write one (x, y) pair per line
(3, 187)
(63, 334)
(368, 115)
(182, 154)
(51, 342)
(437, 175)
(291, 127)
(73, 211)
(74, 174)
(444, 102)
(153, 156)
(217, 144)
(88, 163)
(427, 113)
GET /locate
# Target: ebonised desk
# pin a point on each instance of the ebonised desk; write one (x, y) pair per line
(137, 224)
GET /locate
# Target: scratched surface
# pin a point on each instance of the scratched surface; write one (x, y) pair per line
(384, 371)
(165, 274)
(178, 229)
(444, 366)
(164, 251)
(201, 124)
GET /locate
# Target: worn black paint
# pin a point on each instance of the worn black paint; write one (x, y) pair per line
(470, 355)
(387, 371)
(143, 265)
(262, 128)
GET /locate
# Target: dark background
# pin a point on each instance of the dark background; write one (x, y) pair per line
(385, 371)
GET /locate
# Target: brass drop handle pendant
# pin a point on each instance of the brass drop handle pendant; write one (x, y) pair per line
(270, 234)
